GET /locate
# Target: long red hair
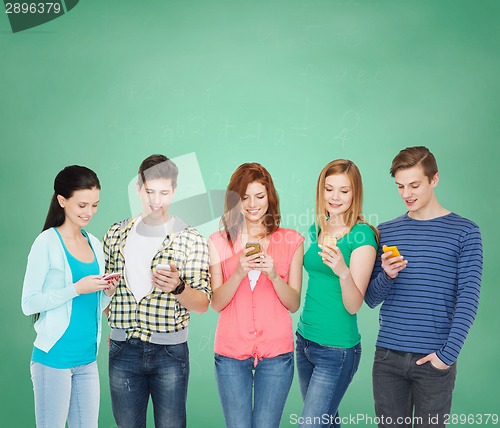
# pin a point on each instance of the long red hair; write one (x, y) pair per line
(232, 219)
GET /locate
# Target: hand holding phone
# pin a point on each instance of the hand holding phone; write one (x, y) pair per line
(255, 246)
(111, 276)
(394, 263)
(393, 249)
(112, 279)
(166, 278)
(163, 266)
(329, 241)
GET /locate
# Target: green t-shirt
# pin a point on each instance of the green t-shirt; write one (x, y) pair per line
(324, 318)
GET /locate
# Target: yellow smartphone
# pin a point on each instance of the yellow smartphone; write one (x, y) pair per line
(255, 246)
(329, 241)
(394, 249)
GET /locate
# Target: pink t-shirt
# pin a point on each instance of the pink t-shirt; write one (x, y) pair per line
(255, 323)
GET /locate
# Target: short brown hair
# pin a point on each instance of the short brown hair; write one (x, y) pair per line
(413, 156)
(157, 167)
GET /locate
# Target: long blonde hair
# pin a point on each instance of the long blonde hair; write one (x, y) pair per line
(354, 213)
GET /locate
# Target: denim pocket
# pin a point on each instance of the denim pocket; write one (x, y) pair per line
(331, 348)
(179, 352)
(285, 358)
(115, 347)
(356, 360)
(381, 354)
(434, 368)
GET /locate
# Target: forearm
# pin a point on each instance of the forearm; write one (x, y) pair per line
(463, 318)
(378, 289)
(469, 273)
(193, 300)
(222, 295)
(289, 297)
(351, 295)
(44, 285)
(40, 302)
(105, 300)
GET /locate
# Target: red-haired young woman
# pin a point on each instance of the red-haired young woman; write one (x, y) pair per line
(254, 295)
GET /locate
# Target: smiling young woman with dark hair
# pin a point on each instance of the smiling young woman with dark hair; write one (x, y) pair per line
(64, 290)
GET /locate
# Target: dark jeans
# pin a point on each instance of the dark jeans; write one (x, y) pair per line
(138, 370)
(325, 373)
(271, 380)
(408, 395)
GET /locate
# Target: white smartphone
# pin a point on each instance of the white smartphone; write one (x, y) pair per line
(163, 266)
(112, 275)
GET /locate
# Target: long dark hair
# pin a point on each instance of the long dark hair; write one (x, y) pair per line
(68, 180)
(71, 178)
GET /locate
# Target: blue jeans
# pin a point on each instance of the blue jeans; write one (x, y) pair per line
(138, 370)
(66, 394)
(408, 395)
(271, 380)
(325, 373)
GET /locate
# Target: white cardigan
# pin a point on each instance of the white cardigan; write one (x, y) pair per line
(48, 288)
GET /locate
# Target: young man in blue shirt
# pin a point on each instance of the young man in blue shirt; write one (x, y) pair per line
(429, 296)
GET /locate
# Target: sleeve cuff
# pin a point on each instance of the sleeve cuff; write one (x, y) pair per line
(385, 279)
(448, 361)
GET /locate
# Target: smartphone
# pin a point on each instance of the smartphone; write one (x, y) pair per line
(112, 275)
(163, 266)
(255, 246)
(329, 241)
(394, 249)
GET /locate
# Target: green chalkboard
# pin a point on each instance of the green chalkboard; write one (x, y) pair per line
(290, 84)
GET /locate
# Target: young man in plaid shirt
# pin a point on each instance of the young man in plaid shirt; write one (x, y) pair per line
(165, 275)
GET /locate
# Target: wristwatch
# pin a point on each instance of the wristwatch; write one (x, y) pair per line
(180, 288)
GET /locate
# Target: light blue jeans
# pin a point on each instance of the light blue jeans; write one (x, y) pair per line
(325, 373)
(66, 395)
(270, 380)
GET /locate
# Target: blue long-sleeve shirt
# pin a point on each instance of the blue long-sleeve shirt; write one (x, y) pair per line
(431, 304)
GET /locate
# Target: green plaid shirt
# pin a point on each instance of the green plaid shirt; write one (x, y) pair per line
(158, 311)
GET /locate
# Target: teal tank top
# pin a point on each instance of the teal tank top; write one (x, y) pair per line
(78, 344)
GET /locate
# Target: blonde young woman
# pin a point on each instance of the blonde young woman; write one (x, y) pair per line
(339, 263)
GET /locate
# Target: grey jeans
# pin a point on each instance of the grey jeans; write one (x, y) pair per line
(407, 395)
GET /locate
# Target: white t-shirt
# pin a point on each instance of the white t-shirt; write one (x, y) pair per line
(143, 242)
